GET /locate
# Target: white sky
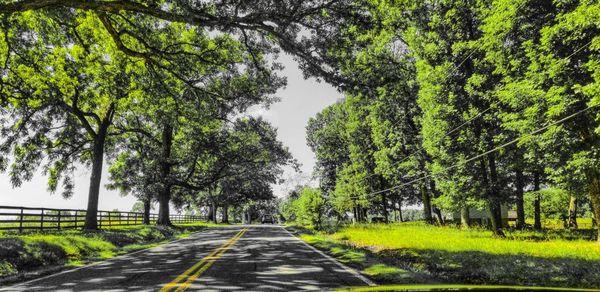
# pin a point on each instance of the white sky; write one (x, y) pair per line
(300, 100)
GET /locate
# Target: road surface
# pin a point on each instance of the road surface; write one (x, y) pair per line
(243, 258)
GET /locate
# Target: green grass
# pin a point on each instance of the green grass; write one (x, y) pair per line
(461, 288)
(30, 252)
(377, 268)
(450, 239)
(411, 253)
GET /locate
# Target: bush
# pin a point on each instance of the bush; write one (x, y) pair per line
(306, 210)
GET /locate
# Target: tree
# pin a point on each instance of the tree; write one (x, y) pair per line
(303, 28)
(240, 165)
(77, 93)
(61, 95)
(308, 208)
(326, 137)
(566, 69)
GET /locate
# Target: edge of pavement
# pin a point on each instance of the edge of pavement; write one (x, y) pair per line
(331, 259)
(64, 269)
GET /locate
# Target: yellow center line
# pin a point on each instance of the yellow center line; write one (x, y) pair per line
(196, 270)
(210, 261)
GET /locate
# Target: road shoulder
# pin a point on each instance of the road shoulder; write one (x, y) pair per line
(376, 269)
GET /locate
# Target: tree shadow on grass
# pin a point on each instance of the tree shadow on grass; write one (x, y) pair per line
(381, 269)
(474, 267)
(429, 266)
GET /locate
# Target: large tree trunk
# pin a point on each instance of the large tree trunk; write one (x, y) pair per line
(384, 206)
(164, 216)
(572, 221)
(595, 198)
(438, 216)
(225, 214)
(594, 222)
(491, 198)
(363, 215)
(465, 217)
(519, 185)
(426, 199)
(495, 202)
(213, 209)
(147, 212)
(211, 212)
(91, 215)
(400, 210)
(436, 211)
(537, 210)
(165, 172)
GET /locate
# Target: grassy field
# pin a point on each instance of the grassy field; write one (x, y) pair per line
(23, 255)
(418, 253)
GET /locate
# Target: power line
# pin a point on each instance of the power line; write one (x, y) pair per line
(468, 121)
(455, 69)
(535, 132)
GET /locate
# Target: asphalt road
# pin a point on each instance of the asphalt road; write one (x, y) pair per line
(246, 258)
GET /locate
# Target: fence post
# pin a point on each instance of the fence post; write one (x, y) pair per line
(76, 217)
(100, 219)
(42, 220)
(59, 213)
(21, 221)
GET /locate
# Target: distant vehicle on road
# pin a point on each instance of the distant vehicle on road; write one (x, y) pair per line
(267, 219)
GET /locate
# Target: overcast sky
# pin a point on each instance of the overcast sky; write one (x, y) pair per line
(300, 100)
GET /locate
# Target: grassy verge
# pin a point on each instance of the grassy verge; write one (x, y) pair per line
(416, 253)
(29, 254)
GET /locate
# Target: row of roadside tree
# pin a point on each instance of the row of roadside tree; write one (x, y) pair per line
(473, 104)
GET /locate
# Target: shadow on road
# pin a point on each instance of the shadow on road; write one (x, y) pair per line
(266, 258)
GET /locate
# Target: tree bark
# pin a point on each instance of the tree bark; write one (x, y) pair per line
(147, 212)
(165, 171)
(572, 221)
(426, 199)
(465, 217)
(438, 216)
(594, 222)
(400, 210)
(164, 216)
(595, 199)
(91, 215)
(436, 211)
(213, 209)
(495, 205)
(491, 200)
(384, 206)
(225, 213)
(355, 211)
(519, 201)
(537, 211)
(211, 212)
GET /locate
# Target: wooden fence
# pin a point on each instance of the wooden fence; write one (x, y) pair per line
(25, 218)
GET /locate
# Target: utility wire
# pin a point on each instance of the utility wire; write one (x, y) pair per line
(535, 132)
(465, 123)
(455, 69)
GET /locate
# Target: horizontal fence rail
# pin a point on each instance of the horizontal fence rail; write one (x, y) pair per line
(26, 218)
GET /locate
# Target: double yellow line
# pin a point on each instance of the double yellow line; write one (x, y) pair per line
(196, 270)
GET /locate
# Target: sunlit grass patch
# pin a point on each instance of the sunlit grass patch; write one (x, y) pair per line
(559, 258)
(421, 236)
(455, 287)
(75, 246)
(364, 261)
(383, 271)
